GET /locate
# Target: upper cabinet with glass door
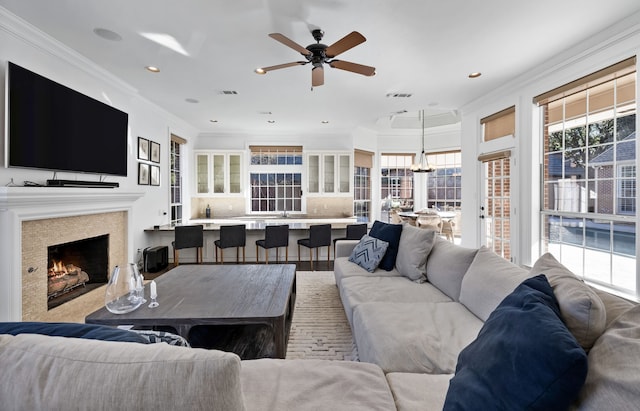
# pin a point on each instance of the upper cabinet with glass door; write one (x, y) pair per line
(218, 173)
(328, 173)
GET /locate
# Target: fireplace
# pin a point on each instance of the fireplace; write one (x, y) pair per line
(34, 218)
(75, 268)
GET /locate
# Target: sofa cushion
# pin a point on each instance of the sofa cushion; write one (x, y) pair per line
(271, 384)
(413, 250)
(524, 357)
(613, 380)
(343, 268)
(489, 279)
(391, 234)
(368, 253)
(42, 372)
(75, 330)
(416, 391)
(358, 290)
(580, 307)
(614, 305)
(446, 265)
(413, 337)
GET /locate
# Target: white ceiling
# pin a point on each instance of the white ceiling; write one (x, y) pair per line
(425, 48)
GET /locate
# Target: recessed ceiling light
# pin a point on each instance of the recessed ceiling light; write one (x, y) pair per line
(107, 34)
(152, 69)
(213, 121)
(271, 121)
(475, 74)
(325, 121)
(191, 100)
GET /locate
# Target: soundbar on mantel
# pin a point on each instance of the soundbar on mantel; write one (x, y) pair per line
(79, 183)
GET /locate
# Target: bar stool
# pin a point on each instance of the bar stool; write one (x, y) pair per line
(188, 236)
(354, 232)
(275, 236)
(231, 236)
(319, 236)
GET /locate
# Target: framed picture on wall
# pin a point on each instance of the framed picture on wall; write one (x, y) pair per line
(155, 175)
(155, 152)
(143, 149)
(143, 174)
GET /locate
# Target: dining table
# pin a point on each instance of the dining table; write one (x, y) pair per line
(444, 215)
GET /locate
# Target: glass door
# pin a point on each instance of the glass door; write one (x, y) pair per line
(495, 206)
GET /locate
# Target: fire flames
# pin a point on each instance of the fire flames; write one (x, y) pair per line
(58, 269)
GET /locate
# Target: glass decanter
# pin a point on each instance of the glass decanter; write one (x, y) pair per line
(124, 290)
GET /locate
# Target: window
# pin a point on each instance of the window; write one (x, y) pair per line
(276, 192)
(276, 178)
(444, 185)
(396, 182)
(627, 189)
(176, 179)
(363, 163)
(589, 169)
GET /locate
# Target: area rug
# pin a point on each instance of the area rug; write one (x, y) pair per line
(319, 329)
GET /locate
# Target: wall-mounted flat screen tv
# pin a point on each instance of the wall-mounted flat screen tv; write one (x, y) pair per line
(52, 127)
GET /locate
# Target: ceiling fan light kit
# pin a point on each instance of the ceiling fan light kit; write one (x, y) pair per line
(422, 166)
(319, 54)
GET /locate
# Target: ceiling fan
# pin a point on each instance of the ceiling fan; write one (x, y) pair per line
(318, 54)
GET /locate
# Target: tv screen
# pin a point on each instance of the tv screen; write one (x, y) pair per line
(53, 127)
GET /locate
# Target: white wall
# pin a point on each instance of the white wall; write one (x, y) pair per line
(27, 47)
(610, 46)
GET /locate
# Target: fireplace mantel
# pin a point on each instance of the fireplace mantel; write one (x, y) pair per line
(18, 204)
(49, 202)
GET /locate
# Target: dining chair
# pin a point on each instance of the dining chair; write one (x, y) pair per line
(188, 236)
(431, 221)
(319, 236)
(354, 232)
(395, 218)
(447, 229)
(231, 236)
(275, 236)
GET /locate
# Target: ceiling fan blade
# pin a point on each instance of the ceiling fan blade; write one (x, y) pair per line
(317, 76)
(353, 67)
(347, 42)
(281, 66)
(289, 43)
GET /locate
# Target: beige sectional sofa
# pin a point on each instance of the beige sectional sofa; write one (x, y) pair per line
(415, 330)
(413, 333)
(59, 373)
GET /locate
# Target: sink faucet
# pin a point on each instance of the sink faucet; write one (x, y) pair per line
(284, 214)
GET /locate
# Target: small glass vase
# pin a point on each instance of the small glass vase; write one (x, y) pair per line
(125, 291)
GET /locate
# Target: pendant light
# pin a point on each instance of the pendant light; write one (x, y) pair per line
(422, 166)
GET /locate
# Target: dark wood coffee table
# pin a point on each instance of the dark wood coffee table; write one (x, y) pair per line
(195, 295)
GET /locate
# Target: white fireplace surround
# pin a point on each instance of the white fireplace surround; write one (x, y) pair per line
(18, 204)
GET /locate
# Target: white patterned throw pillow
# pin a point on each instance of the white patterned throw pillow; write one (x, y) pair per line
(368, 252)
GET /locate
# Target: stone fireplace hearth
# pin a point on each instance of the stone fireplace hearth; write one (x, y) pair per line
(32, 219)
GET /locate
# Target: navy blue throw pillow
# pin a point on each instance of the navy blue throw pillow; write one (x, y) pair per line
(523, 358)
(391, 234)
(74, 330)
